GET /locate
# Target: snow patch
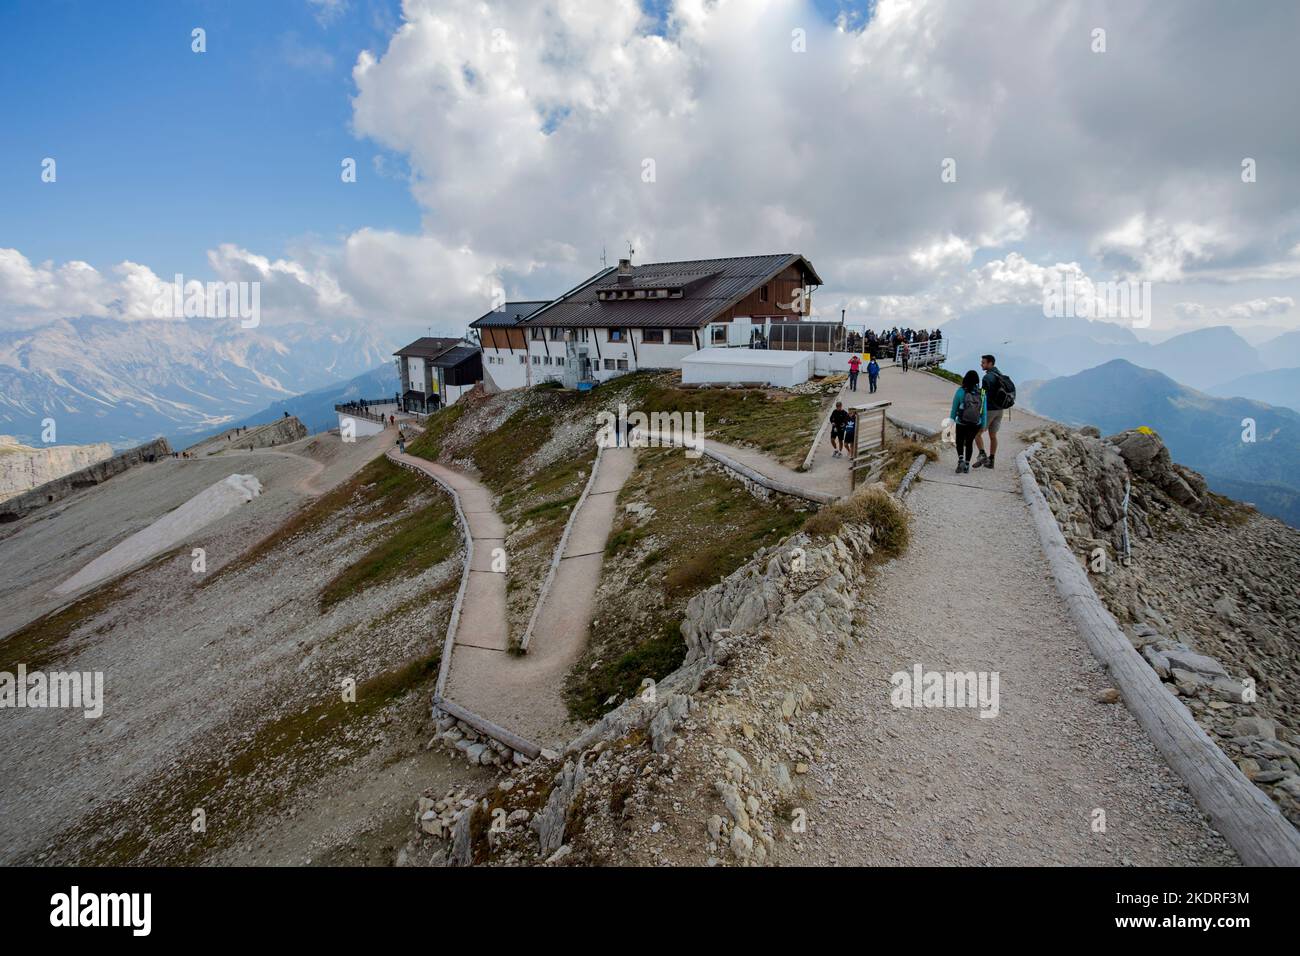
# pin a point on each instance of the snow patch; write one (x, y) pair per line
(214, 502)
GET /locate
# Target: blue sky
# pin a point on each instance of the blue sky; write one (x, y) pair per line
(163, 153)
(1101, 166)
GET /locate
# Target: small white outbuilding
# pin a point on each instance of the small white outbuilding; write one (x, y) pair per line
(752, 366)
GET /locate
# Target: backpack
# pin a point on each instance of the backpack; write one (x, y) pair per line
(1003, 392)
(971, 408)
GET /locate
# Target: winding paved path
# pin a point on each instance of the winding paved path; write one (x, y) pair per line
(524, 694)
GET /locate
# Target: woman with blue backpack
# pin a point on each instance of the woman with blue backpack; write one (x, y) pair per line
(970, 413)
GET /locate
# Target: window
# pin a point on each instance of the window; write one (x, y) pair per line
(557, 334)
(681, 337)
(523, 360)
(537, 360)
(537, 334)
(584, 335)
(652, 335)
(616, 335)
(622, 365)
(720, 334)
(762, 294)
(609, 364)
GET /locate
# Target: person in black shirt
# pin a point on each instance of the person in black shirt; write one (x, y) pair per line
(839, 418)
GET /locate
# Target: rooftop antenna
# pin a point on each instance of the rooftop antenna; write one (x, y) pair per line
(630, 250)
(603, 263)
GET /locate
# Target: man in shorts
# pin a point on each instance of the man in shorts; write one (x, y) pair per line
(839, 418)
(992, 390)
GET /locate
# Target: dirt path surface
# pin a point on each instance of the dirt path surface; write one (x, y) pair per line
(524, 693)
(942, 785)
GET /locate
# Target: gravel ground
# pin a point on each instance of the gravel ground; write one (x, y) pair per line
(944, 786)
(194, 676)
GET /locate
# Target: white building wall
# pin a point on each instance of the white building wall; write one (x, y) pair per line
(505, 369)
(361, 427)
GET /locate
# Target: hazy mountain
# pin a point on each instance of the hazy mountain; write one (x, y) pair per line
(124, 382)
(1050, 347)
(1278, 387)
(316, 409)
(1281, 352)
(1203, 358)
(1202, 432)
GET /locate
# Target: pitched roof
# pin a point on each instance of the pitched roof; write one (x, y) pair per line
(508, 314)
(690, 294)
(453, 357)
(427, 348)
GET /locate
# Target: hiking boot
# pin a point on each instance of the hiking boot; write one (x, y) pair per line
(981, 461)
(961, 465)
(989, 464)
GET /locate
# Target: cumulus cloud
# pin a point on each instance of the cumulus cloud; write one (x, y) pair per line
(1272, 306)
(534, 134)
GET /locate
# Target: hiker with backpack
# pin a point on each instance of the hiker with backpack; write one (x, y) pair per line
(839, 418)
(1000, 392)
(970, 412)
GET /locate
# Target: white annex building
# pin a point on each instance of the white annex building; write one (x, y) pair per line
(747, 366)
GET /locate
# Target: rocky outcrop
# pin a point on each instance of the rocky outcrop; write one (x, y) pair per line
(667, 739)
(1208, 597)
(52, 491)
(282, 431)
(23, 468)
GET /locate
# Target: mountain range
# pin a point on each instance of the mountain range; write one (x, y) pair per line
(125, 382)
(1204, 432)
(1030, 346)
(315, 409)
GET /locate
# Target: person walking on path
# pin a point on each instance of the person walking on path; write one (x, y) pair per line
(839, 418)
(854, 363)
(850, 435)
(873, 372)
(401, 442)
(907, 351)
(1000, 393)
(970, 413)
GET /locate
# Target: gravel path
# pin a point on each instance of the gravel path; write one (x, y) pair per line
(941, 785)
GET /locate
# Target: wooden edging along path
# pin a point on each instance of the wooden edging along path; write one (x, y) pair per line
(479, 723)
(1239, 810)
(559, 552)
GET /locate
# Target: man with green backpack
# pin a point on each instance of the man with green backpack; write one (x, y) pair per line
(1000, 393)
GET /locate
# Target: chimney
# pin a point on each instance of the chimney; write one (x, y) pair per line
(624, 270)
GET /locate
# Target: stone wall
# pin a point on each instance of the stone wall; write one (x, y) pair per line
(24, 504)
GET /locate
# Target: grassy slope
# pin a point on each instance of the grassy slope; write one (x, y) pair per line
(705, 526)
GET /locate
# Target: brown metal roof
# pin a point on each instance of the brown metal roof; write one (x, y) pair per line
(709, 287)
(427, 348)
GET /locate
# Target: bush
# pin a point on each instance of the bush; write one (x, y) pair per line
(871, 506)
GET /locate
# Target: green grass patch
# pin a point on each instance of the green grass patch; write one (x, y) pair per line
(654, 657)
(871, 506)
(942, 372)
(412, 544)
